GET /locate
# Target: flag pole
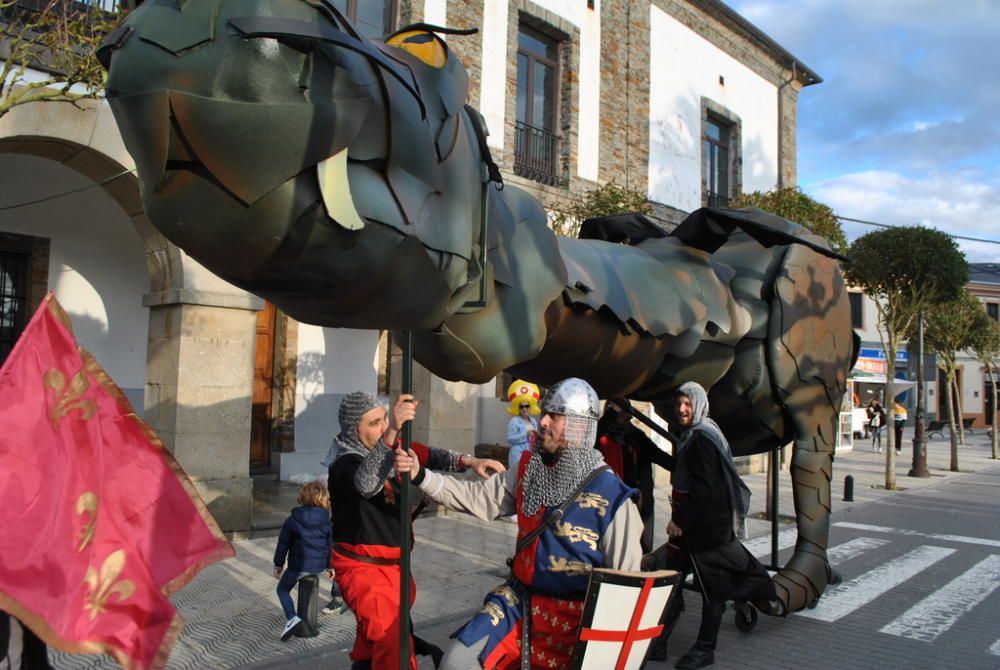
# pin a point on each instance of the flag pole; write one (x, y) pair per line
(404, 515)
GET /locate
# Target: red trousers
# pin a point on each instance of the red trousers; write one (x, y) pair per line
(372, 592)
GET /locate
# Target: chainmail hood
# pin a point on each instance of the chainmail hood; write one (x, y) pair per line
(352, 408)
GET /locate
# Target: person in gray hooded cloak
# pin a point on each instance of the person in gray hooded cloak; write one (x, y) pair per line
(709, 504)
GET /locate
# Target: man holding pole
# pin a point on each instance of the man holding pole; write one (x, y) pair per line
(365, 504)
(573, 514)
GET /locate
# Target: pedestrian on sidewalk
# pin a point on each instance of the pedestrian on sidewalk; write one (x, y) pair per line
(709, 504)
(538, 610)
(899, 421)
(306, 539)
(631, 454)
(366, 523)
(876, 421)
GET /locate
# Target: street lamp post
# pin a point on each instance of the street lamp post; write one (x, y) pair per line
(919, 467)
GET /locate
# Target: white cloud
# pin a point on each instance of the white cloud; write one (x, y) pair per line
(958, 203)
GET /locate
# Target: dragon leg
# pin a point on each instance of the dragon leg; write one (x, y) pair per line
(804, 578)
(810, 351)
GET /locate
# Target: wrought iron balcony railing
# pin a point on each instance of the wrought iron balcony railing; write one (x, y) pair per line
(536, 154)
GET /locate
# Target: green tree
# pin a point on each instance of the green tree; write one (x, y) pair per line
(59, 40)
(948, 330)
(605, 200)
(905, 270)
(792, 204)
(985, 344)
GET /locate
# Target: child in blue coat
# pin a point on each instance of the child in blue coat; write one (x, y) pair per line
(306, 538)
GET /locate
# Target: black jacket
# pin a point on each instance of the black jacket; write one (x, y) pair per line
(705, 513)
(307, 538)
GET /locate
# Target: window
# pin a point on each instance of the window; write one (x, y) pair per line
(993, 310)
(716, 157)
(372, 18)
(13, 299)
(857, 313)
(536, 145)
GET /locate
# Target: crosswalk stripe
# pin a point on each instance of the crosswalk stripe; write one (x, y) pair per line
(848, 550)
(939, 611)
(858, 592)
(915, 533)
(761, 546)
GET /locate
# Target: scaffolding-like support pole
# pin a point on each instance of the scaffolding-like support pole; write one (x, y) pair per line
(404, 515)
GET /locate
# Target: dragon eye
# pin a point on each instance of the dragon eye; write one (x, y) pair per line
(426, 46)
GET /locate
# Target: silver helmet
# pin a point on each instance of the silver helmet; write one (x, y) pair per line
(578, 402)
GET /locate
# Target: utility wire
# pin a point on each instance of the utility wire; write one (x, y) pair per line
(886, 225)
(65, 193)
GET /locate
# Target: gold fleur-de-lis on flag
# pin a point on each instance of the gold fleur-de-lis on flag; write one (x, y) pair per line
(87, 504)
(106, 584)
(69, 398)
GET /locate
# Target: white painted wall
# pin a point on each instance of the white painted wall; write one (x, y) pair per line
(492, 416)
(332, 362)
(493, 82)
(436, 13)
(684, 68)
(97, 266)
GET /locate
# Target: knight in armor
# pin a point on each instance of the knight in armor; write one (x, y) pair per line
(709, 505)
(573, 514)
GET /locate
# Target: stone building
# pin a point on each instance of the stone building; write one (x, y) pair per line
(683, 100)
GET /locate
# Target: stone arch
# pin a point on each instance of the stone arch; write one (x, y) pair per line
(199, 356)
(87, 141)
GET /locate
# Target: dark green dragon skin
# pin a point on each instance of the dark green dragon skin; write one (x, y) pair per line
(345, 181)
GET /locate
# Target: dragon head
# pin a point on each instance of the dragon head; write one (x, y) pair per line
(297, 160)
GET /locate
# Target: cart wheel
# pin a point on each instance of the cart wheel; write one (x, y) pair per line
(746, 617)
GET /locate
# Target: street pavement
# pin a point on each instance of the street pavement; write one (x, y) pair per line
(920, 568)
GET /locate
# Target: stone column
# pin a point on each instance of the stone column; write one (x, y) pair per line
(199, 377)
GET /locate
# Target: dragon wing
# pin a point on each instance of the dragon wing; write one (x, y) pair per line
(709, 228)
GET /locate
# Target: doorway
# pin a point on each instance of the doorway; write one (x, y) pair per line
(262, 412)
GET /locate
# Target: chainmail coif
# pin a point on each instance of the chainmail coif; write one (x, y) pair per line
(550, 485)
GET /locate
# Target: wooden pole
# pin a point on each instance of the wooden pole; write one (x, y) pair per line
(404, 516)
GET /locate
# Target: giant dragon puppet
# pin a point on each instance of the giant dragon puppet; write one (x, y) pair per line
(347, 182)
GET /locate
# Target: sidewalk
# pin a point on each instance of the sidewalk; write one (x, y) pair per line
(233, 618)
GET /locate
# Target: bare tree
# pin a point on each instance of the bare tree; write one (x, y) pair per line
(986, 346)
(48, 48)
(950, 328)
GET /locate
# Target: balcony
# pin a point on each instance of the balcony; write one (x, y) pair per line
(536, 154)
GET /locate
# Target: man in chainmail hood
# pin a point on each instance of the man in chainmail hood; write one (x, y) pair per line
(573, 514)
(365, 509)
(709, 502)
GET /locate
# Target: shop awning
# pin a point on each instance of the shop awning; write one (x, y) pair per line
(859, 377)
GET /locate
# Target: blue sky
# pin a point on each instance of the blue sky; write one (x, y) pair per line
(905, 127)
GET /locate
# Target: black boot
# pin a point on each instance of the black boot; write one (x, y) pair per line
(700, 656)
